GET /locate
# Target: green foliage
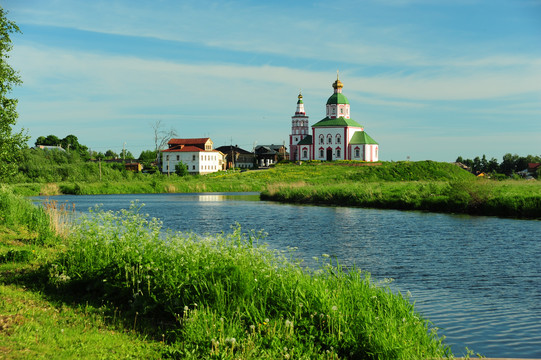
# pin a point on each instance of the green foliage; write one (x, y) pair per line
(17, 212)
(227, 297)
(10, 143)
(110, 154)
(511, 164)
(181, 169)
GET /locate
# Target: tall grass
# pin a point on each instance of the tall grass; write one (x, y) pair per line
(228, 297)
(18, 213)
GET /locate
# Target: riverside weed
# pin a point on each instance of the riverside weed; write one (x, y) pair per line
(209, 290)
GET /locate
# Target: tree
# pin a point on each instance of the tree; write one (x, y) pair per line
(111, 154)
(181, 169)
(161, 136)
(10, 143)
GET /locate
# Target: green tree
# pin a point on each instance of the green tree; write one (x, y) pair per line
(11, 142)
(181, 169)
(110, 154)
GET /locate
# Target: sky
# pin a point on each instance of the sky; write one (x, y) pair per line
(428, 79)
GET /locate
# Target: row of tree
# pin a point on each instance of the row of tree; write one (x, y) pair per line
(511, 164)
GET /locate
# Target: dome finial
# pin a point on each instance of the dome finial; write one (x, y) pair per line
(337, 84)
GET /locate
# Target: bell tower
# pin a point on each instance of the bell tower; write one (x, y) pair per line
(299, 129)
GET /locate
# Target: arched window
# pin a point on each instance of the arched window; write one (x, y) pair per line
(321, 139)
(329, 139)
(338, 139)
(321, 153)
(357, 152)
(305, 153)
(338, 153)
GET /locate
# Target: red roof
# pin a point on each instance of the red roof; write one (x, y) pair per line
(199, 141)
(533, 166)
(187, 149)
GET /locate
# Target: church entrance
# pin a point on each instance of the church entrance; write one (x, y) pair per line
(329, 154)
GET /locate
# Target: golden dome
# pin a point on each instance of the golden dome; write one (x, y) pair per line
(337, 84)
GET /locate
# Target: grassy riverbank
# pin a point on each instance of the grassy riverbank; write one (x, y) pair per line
(423, 185)
(115, 279)
(316, 173)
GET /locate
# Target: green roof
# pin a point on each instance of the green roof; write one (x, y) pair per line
(337, 98)
(306, 141)
(341, 121)
(361, 138)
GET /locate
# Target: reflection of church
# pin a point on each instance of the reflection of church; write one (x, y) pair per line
(336, 137)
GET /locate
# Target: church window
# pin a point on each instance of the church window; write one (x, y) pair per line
(193, 157)
(305, 153)
(341, 110)
(321, 153)
(178, 157)
(338, 139)
(338, 154)
(329, 139)
(357, 152)
(321, 139)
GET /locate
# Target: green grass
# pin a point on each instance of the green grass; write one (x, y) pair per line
(118, 282)
(518, 199)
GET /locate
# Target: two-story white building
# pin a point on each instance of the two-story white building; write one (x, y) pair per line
(197, 154)
(336, 137)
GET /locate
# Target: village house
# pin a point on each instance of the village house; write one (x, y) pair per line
(336, 137)
(270, 154)
(236, 157)
(197, 154)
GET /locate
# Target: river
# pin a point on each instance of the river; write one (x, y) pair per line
(477, 278)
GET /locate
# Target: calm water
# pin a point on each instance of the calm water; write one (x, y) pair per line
(476, 278)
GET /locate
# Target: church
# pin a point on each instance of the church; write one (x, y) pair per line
(336, 137)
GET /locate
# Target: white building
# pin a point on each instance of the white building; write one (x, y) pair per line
(197, 154)
(336, 137)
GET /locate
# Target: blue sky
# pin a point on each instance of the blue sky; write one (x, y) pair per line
(428, 79)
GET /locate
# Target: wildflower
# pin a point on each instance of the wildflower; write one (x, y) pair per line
(334, 308)
(186, 308)
(266, 320)
(325, 255)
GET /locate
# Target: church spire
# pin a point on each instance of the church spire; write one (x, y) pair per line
(300, 106)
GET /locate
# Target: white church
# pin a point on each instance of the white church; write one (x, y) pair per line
(336, 137)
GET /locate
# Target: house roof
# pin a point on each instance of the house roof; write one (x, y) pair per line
(197, 141)
(50, 147)
(306, 141)
(362, 138)
(226, 149)
(340, 121)
(188, 148)
(269, 149)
